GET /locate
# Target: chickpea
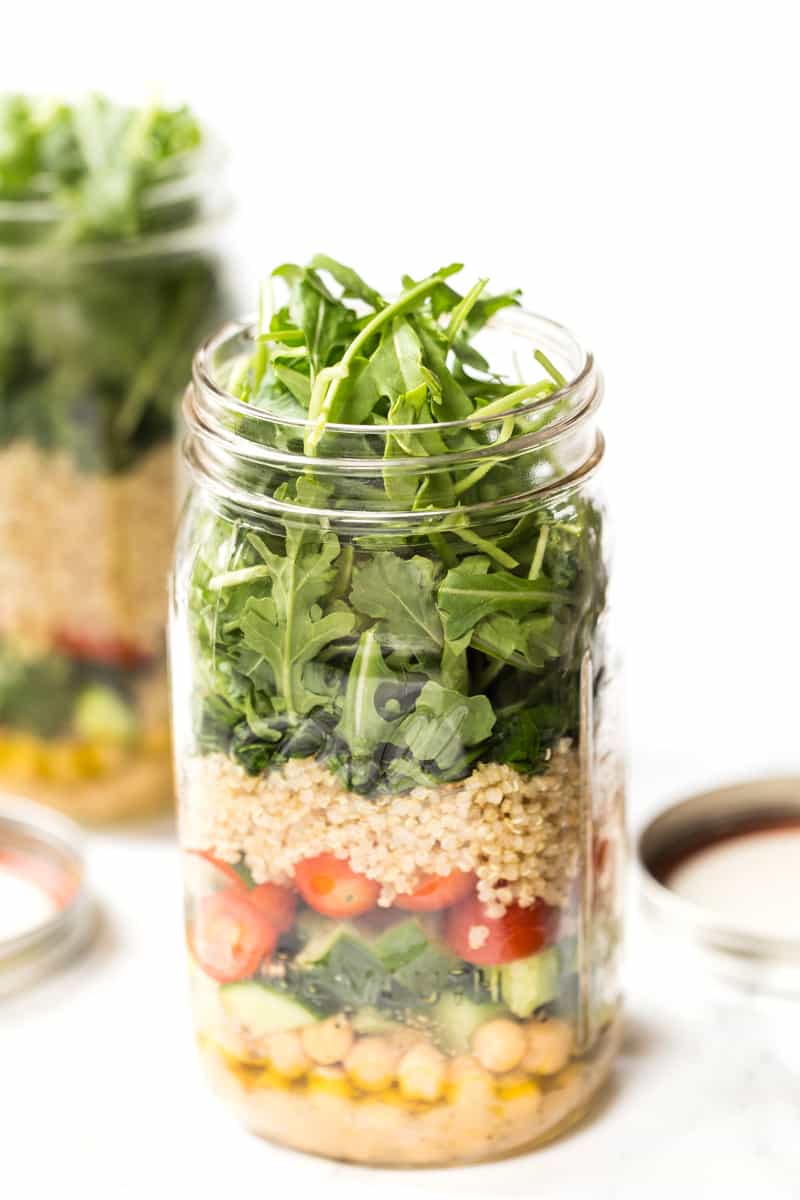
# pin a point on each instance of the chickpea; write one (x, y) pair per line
(371, 1064)
(466, 1069)
(421, 1073)
(499, 1045)
(328, 1042)
(549, 1045)
(286, 1053)
(471, 1090)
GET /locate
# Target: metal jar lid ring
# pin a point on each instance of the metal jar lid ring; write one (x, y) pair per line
(43, 850)
(692, 861)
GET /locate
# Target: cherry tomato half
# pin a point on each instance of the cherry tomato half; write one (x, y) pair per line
(331, 887)
(215, 875)
(276, 903)
(110, 651)
(437, 891)
(231, 937)
(520, 932)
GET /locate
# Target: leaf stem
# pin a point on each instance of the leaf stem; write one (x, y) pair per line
(463, 309)
(550, 367)
(538, 554)
(475, 539)
(504, 404)
(232, 578)
(261, 356)
(327, 382)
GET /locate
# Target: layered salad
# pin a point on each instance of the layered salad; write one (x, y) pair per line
(401, 826)
(102, 299)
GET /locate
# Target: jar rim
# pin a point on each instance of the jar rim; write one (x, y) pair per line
(222, 458)
(510, 321)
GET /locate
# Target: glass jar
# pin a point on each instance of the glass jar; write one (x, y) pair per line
(95, 342)
(403, 885)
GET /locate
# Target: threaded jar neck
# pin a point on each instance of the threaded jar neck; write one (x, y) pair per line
(489, 464)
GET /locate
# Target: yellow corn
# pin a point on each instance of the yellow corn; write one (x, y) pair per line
(23, 756)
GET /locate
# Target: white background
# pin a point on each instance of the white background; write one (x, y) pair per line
(634, 168)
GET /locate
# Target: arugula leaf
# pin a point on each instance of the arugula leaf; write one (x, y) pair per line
(444, 724)
(95, 351)
(471, 592)
(397, 659)
(363, 724)
(96, 159)
(286, 628)
(352, 283)
(401, 592)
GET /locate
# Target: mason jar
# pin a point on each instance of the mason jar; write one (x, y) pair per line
(96, 339)
(402, 882)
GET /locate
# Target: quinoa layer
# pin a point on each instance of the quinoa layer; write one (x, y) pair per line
(84, 551)
(477, 1120)
(518, 833)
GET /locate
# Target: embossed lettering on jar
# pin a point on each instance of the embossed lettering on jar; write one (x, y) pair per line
(397, 746)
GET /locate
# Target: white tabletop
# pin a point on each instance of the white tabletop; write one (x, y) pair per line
(100, 1090)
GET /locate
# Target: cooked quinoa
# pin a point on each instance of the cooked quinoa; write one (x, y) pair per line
(518, 833)
(84, 551)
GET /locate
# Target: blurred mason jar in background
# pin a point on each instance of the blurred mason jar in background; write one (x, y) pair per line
(109, 275)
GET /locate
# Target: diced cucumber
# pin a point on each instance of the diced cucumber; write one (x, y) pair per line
(323, 939)
(528, 983)
(456, 1018)
(262, 1009)
(102, 713)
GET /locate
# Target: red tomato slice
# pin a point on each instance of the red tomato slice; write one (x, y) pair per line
(231, 937)
(111, 651)
(522, 931)
(276, 903)
(437, 891)
(331, 887)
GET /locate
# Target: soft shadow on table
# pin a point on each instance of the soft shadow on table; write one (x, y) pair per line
(639, 1038)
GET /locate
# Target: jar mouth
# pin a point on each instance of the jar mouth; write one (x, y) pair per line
(244, 453)
(520, 323)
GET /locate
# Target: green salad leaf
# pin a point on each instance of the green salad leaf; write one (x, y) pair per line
(287, 629)
(95, 160)
(96, 335)
(402, 592)
(397, 660)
